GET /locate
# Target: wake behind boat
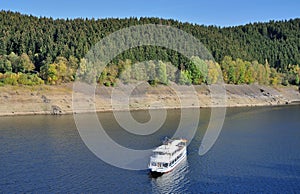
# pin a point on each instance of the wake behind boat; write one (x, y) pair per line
(167, 156)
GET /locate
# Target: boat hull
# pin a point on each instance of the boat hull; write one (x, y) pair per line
(154, 174)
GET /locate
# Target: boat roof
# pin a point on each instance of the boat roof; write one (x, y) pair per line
(169, 147)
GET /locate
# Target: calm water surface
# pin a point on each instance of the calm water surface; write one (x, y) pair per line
(258, 151)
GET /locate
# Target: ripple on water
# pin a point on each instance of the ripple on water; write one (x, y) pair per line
(172, 182)
(256, 152)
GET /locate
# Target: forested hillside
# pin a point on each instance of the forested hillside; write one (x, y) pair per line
(47, 50)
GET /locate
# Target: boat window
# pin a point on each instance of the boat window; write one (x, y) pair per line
(158, 153)
(165, 164)
(153, 164)
(181, 144)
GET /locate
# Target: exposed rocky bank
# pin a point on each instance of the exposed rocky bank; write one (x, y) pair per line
(18, 100)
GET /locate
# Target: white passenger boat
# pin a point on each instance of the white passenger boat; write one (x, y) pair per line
(167, 156)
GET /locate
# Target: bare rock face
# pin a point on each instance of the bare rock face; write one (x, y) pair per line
(45, 99)
(57, 100)
(56, 110)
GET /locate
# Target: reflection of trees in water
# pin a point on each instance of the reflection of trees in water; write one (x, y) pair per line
(174, 181)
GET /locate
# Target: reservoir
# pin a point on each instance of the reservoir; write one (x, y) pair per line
(257, 151)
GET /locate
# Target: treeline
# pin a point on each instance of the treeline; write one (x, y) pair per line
(16, 69)
(199, 71)
(53, 50)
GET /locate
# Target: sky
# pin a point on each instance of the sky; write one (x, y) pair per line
(209, 12)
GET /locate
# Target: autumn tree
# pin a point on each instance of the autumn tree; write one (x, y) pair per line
(184, 78)
(125, 70)
(161, 71)
(25, 63)
(198, 70)
(214, 72)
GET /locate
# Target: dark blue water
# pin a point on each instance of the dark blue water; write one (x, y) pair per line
(258, 151)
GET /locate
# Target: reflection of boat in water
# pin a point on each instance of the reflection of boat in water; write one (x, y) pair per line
(167, 156)
(175, 181)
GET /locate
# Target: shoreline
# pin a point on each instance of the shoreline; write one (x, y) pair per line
(137, 109)
(57, 100)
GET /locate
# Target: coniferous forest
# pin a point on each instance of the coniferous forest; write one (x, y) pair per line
(44, 50)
